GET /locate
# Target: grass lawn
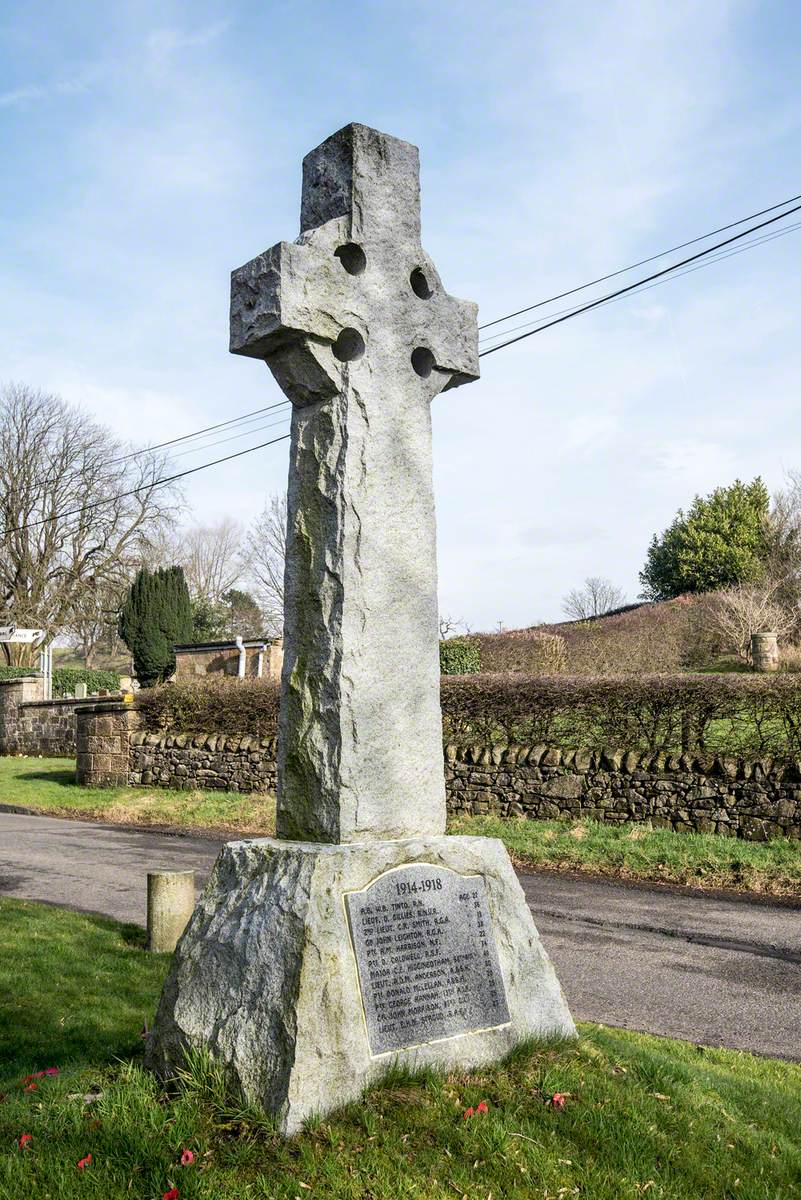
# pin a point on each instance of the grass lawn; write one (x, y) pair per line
(629, 851)
(643, 1116)
(48, 785)
(703, 860)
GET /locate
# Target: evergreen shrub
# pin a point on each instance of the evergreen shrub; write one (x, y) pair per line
(65, 680)
(459, 656)
(155, 617)
(16, 672)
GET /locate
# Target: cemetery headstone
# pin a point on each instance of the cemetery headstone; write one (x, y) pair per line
(361, 936)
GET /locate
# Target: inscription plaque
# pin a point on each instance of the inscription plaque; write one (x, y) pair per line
(426, 957)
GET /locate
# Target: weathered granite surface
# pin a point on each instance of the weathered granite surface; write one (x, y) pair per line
(355, 325)
(266, 977)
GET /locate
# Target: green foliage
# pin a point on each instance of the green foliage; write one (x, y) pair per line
(243, 614)
(156, 615)
(720, 542)
(236, 613)
(209, 621)
(17, 672)
(459, 656)
(66, 678)
(212, 705)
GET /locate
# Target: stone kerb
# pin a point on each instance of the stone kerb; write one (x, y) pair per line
(103, 734)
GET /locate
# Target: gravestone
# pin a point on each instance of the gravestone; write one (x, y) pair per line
(361, 936)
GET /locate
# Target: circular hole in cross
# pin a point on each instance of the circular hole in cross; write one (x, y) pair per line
(348, 346)
(423, 361)
(352, 257)
(420, 285)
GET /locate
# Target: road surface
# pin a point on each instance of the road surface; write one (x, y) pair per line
(720, 972)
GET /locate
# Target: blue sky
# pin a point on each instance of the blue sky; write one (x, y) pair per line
(148, 149)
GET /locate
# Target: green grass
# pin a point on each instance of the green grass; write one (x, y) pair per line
(644, 1116)
(48, 785)
(704, 860)
(627, 851)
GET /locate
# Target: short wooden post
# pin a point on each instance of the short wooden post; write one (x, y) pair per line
(170, 904)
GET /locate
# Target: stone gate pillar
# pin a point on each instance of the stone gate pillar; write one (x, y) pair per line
(103, 735)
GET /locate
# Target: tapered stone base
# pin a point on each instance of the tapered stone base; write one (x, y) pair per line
(275, 976)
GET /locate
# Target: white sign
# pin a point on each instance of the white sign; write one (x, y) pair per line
(10, 633)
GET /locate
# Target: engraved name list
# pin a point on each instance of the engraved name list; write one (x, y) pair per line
(426, 957)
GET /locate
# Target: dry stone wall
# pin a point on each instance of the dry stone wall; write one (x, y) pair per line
(33, 726)
(703, 793)
(206, 761)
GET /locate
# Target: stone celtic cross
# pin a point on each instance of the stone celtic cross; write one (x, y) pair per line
(354, 324)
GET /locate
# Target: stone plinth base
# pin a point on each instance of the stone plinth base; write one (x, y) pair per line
(277, 971)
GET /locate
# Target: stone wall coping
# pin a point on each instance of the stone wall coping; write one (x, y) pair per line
(59, 700)
(584, 760)
(103, 706)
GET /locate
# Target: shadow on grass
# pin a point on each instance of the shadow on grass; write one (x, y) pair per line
(59, 777)
(75, 989)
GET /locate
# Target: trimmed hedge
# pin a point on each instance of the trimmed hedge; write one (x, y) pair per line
(459, 656)
(244, 706)
(745, 715)
(65, 679)
(750, 716)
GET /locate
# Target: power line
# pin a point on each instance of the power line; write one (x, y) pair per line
(716, 258)
(209, 429)
(499, 320)
(233, 438)
(144, 487)
(638, 283)
(641, 263)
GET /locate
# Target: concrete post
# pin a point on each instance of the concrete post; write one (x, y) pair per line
(765, 651)
(170, 904)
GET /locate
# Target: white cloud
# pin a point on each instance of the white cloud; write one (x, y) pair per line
(164, 44)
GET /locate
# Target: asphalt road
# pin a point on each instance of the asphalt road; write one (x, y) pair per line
(720, 972)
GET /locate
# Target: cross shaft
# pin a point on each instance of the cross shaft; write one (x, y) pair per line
(354, 323)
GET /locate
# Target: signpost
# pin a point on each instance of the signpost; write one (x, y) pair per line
(12, 634)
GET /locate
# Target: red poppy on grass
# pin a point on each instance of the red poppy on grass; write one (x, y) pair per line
(172, 1194)
(24, 1139)
(482, 1107)
(468, 1112)
(83, 1162)
(187, 1158)
(31, 1087)
(558, 1100)
(40, 1075)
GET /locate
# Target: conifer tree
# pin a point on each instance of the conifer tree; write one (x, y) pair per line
(156, 616)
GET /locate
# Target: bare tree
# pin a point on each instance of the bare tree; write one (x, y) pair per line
(94, 624)
(735, 615)
(211, 558)
(71, 509)
(452, 626)
(596, 597)
(264, 551)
